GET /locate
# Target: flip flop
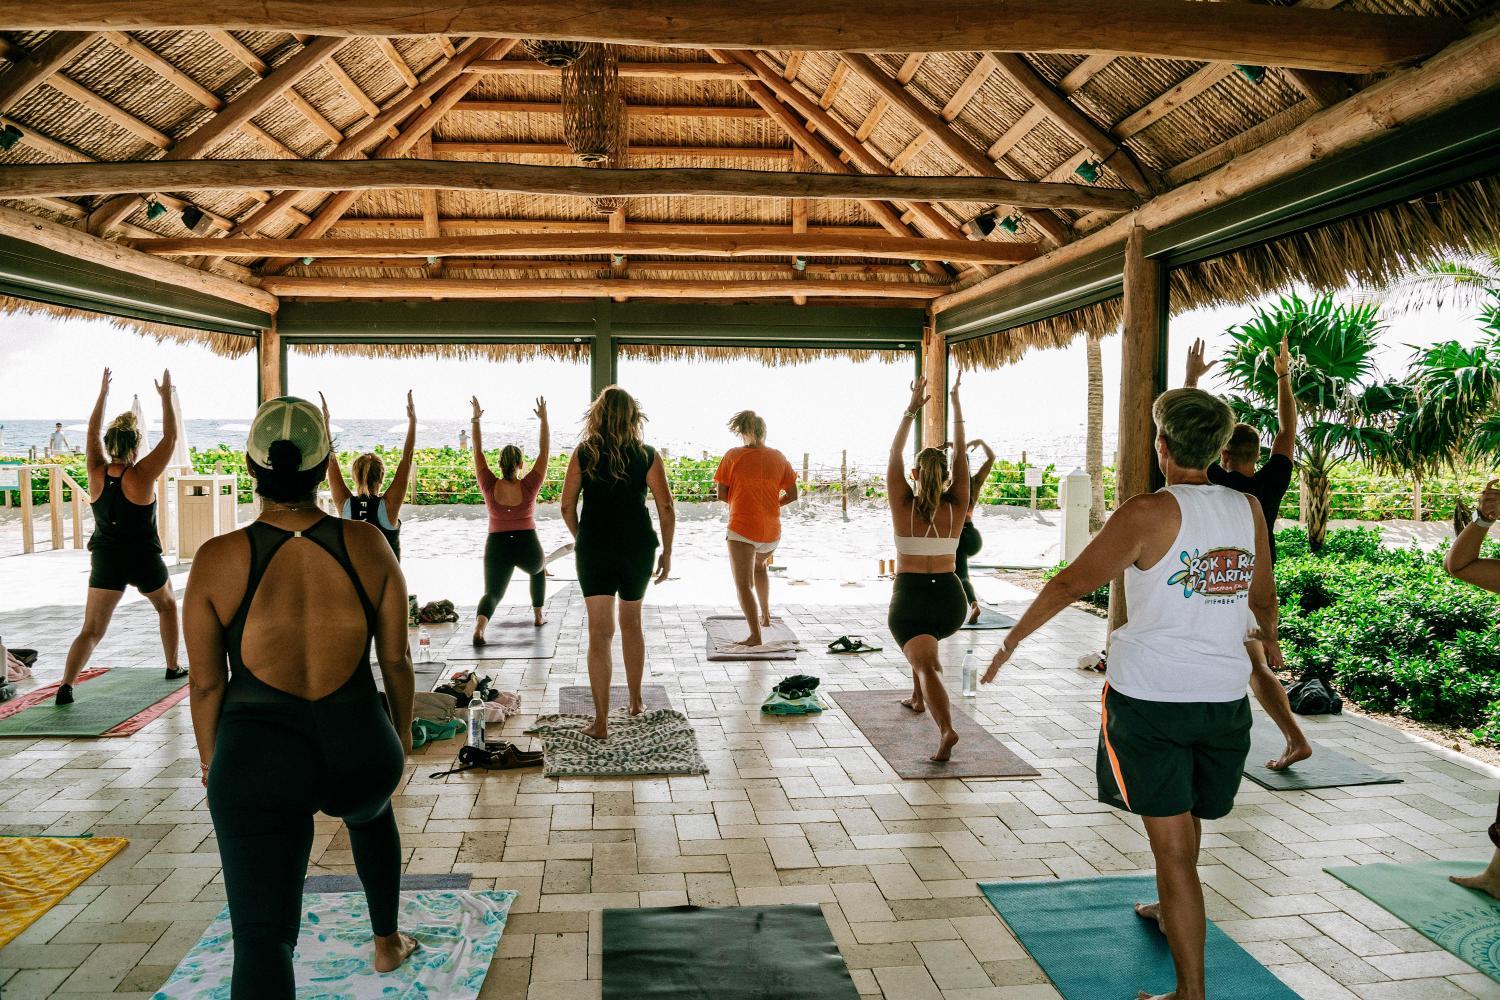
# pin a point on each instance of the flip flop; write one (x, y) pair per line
(844, 644)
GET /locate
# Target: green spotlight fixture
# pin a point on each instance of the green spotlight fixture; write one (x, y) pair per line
(9, 136)
(431, 259)
(1088, 170)
(155, 209)
(307, 261)
(799, 263)
(1011, 224)
(915, 265)
(1255, 74)
(617, 259)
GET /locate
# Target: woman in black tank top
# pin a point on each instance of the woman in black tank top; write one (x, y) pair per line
(125, 549)
(289, 726)
(370, 503)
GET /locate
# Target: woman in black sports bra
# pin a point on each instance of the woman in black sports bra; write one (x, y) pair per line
(125, 549)
(382, 509)
(280, 619)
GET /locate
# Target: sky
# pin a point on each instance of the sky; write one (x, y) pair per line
(51, 368)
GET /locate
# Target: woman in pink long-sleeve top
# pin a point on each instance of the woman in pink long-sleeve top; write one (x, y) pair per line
(512, 542)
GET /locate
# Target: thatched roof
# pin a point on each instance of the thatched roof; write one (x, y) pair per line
(130, 97)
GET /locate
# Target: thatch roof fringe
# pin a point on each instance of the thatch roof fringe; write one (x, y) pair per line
(225, 345)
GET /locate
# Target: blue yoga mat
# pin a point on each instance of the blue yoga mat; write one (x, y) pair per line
(1086, 937)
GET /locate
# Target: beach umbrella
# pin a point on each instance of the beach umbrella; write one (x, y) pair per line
(82, 428)
(401, 428)
(180, 454)
(140, 420)
(235, 428)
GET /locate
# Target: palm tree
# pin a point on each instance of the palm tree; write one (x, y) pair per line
(1093, 450)
(1333, 371)
(1456, 395)
(1467, 282)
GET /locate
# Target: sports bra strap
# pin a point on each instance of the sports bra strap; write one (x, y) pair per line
(266, 540)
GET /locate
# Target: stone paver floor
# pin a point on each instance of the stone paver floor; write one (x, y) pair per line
(792, 810)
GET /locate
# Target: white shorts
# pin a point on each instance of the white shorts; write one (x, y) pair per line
(761, 548)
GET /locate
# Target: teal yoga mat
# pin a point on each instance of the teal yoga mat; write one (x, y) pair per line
(1086, 937)
(1465, 922)
(103, 702)
(728, 953)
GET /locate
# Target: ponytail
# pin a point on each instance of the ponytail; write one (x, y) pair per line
(932, 483)
(122, 437)
(510, 461)
(369, 473)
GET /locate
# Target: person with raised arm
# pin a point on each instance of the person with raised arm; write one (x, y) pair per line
(970, 542)
(1174, 726)
(1268, 484)
(512, 542)
(367, 502)
(125, 548)
(928, 603)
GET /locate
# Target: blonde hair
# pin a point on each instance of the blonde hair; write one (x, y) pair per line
(1195, 424)
(122, 437)
(369, 473)
(932, 482)
(510, 460)
(611, 433)
(748, 425)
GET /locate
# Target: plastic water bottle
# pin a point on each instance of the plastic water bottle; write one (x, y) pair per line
(476, 723)
(424, 646)
(971, 675)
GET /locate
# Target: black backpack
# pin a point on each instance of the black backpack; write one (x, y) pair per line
(1310, 696)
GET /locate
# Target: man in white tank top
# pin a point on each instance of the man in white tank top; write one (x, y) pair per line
(1175, 721)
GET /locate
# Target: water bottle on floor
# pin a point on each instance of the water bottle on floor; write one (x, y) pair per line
(971, 674)
(424, 646)
(476, 723)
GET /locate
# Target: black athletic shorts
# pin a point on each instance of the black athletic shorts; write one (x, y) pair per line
(618, 569)
(926, 604)
(1161, 758)
(116, 569)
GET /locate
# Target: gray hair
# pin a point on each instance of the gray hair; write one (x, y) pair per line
(1195, 424)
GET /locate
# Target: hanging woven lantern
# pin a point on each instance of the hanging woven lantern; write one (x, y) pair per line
(592, 106)
(553, 53)
(618, 158)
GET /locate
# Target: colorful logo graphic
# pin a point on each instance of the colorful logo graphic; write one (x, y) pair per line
(1217, 573)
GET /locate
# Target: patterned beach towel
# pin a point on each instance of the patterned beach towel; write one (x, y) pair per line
(655, 742)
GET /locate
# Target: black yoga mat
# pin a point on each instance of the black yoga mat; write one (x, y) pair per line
(1326, 768)
(989, 620)
(351, 883)
(729, 953)
(905, 739)
(579, 700)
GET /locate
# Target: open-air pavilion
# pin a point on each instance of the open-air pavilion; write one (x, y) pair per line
(961, 182)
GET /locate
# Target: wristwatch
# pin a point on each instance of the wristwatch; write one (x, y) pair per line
(1481, 521)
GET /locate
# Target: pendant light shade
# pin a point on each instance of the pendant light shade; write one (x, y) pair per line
(592, 106)
(553, 53)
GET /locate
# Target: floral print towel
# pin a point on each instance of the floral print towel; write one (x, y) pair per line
(457, 933)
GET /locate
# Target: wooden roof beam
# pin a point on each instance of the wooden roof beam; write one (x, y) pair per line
(495, 226)
(300, 287)
(239, 50)
(652, 70)
(635, 110)
(397, 60)
(36, 68)
(592, 267)
(442, 148)
(1255, 34)
(799, 244)
(169, 72)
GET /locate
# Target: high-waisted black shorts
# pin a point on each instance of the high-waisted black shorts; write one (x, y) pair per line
(115, 569)
(926, 604)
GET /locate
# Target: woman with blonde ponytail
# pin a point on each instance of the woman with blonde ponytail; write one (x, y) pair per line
(756, 482)
(928, 603)
(367, 501)
(125, 549)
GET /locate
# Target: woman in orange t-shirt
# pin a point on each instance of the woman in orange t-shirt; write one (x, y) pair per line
(756, 482)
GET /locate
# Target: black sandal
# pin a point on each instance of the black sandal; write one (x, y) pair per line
(176, 673)
(844, 644)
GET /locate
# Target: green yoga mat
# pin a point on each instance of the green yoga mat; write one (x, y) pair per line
(103, 702)
(1086, 937)
(1466, 922)
(1326, 768)
(729, 953)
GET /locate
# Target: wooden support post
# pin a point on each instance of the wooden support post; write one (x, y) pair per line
(844, 483)
(1142, 377)
(806, 479)
(935, 370)
(28, 541)
(272, 364)
(603, 359)
(76, 503)
(54, 504)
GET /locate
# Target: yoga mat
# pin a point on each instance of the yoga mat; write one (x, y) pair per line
(905, 739)
(654, 742)
(37, 873)
(989, 620)
(457, 935)
(351, 883)
(579, 700)
(512, 635)
(1086, 937)
(777, 642)
(110, 703)
(1326, 768)
(1465, 922)
(45, 693)
(728, 953)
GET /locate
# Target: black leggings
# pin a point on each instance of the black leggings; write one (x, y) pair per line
(278, 761)
(504, 553)
(969, 544)
(926, 604)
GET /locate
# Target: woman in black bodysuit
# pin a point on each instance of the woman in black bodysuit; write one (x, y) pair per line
(367, 502)
(280, 620)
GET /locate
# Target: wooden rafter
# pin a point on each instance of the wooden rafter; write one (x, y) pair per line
(635, 110)
(650, 71)
(297, 286)
(179, 78)
(797, 243)
(476, 226)
(781, 269)
(397, 60)
(444, 148)
(1253, 34)
(239, 50)
(37, 67)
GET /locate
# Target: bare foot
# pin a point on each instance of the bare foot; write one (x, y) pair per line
(479, 639)
(946, 742)
(391, 951)
(637, 706)
(1152, 912)
(1294, 753)
(973, 612)
(914, 703)
(1486, 882)
(596, 730)
(753, 639)
(540, 618)
(765, 621)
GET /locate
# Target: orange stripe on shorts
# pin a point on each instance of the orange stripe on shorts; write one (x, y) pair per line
(1114, 762)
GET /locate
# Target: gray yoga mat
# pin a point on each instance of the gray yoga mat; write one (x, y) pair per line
(579, 700)
(905, 739)
(511, 635)
(1326, 768)
(724, 630)
(990, 619)
(351, 883)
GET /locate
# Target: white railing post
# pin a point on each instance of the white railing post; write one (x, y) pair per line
(1074, 495)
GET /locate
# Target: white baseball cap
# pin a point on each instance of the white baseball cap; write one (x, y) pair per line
(288, 418)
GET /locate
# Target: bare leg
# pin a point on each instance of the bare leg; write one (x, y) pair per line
(1272, 697)
(97, 613)
(392, 950)
(1174, 844)
(480, 623)
(742, 564)
(165, 603)
(601, 612)
(1487, 881)
(633, 645)
(763, 586)
(915, 702)
(922, 653)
